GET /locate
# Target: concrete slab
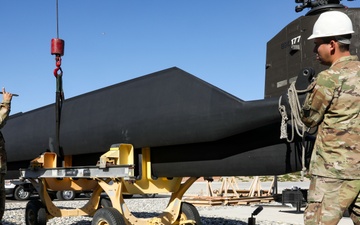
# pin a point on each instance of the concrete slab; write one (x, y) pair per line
(271, 211)
(278, 214)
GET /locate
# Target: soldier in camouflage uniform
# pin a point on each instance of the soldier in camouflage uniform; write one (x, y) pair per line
(334, 106)
(4, 113)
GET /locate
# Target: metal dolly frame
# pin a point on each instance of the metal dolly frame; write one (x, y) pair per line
(114, 174)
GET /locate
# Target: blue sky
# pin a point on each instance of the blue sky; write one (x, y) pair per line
(111, 41)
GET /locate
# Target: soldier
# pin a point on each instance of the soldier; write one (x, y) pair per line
(334, 106)
(4, 113)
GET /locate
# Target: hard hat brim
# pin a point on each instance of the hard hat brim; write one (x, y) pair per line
(313, 36)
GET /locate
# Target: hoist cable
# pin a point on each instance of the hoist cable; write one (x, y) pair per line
(57, 18)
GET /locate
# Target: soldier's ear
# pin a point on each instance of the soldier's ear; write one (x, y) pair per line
(333, 45)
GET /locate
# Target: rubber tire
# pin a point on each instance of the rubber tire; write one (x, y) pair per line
(190, 212)
(65, 195)
(105, 203)
(32, 212)
(20, 193)
(109, 216)
(42, 216)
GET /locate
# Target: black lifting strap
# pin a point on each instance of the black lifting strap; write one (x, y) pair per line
(58, 108)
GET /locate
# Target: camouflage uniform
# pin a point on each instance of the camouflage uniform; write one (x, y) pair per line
(4, 113)
(334, 106)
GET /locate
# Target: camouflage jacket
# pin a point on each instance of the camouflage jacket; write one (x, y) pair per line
(334, 105)
(4, 112)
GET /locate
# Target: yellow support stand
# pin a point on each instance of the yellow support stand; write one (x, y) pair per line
(105, 176)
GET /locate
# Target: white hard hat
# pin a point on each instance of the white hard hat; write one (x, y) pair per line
(331, 24)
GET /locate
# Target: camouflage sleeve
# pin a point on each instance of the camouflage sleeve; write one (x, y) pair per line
(318, 100)
(4, 112)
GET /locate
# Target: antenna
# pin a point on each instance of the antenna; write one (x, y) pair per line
(317, 3)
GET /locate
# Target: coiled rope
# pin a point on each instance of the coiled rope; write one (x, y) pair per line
(296, 123)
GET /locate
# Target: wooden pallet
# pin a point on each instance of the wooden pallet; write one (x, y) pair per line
(218, 200)
(230, 194)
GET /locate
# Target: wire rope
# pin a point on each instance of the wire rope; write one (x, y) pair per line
(57, 18)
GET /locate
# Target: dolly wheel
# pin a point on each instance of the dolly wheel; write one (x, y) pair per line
(189, 213)
(108, 216)
(32, 213)
(42, 216)
(66, 195)
(21, 194)
(105, 203)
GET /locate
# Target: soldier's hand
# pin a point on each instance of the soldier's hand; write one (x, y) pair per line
(7, 96)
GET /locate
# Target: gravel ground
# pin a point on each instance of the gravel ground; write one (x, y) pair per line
(141, 208)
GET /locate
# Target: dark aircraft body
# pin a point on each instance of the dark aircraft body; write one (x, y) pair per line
(192, 127)
(188, 124)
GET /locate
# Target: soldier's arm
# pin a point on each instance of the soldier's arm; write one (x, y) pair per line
(318, 100)
(4, 112)
(5, 107)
